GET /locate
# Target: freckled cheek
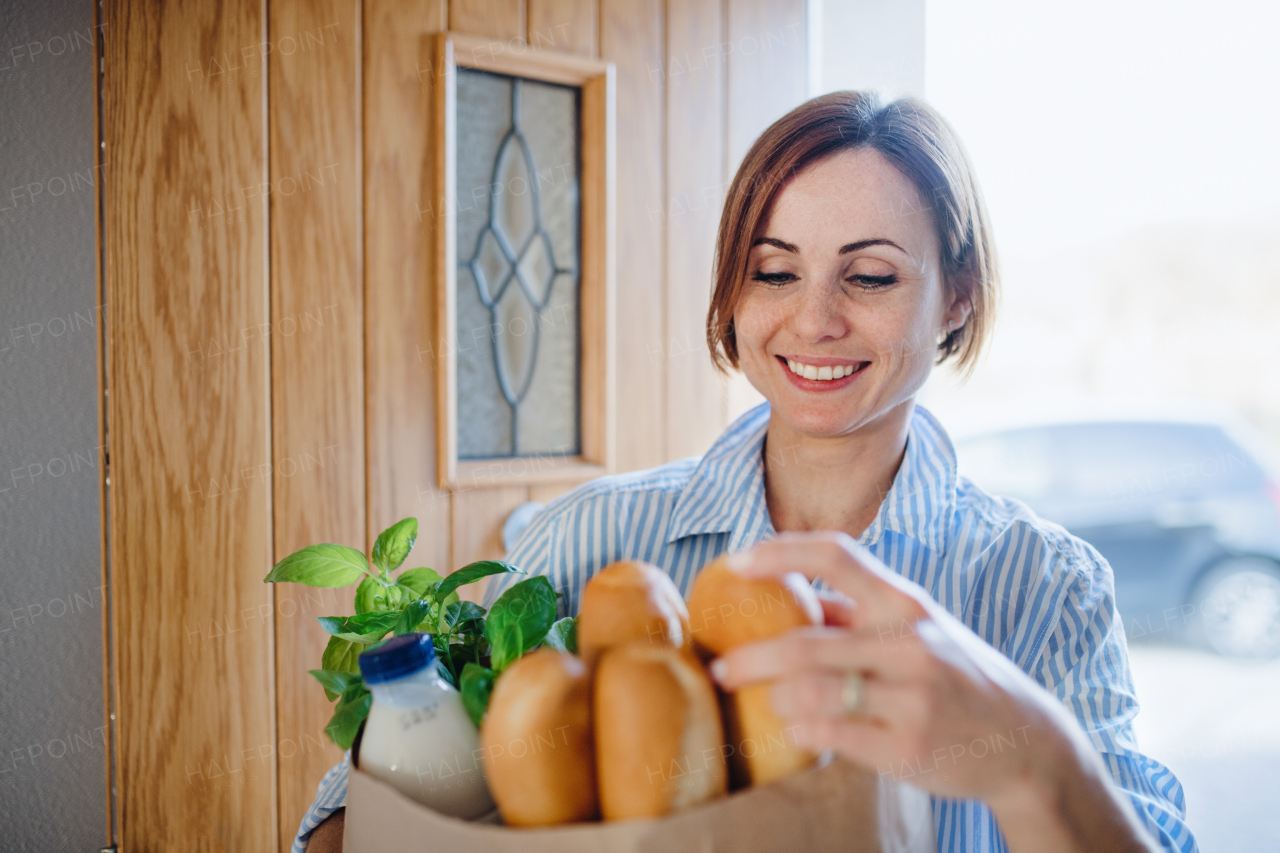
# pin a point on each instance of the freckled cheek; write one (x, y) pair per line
(754, 326)
(898, 336)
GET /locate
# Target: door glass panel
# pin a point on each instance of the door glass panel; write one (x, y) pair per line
(518, 261)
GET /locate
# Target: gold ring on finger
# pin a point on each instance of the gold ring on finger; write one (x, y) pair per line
(853, 692)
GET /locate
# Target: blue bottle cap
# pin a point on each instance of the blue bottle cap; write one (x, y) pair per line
(396, 658)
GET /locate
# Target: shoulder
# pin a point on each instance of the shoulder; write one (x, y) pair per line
(1000, 523)
(664, 480)
(986, 527)
(606, 519)
(606, 503)
(1033, 586)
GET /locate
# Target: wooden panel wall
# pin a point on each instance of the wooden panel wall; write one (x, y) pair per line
(572, 26)
(317, 356)
(399, 313)
(500, 19)
(272, 357)
(694, 73)
(632, 35)
(188, 372)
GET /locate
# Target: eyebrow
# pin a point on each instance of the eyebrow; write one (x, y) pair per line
(844, 250)
(862, 244)
(776, 243)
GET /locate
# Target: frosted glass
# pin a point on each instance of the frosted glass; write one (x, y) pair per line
(518, 261)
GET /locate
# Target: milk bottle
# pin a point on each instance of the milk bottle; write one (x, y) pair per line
(418, 737)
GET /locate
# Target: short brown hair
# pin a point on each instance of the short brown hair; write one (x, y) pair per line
(920, 144)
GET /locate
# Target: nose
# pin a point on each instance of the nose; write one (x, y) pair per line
(817, 314)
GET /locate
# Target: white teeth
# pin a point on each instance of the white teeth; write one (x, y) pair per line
(809, 371)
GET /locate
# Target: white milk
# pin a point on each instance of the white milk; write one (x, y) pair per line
(418, 737)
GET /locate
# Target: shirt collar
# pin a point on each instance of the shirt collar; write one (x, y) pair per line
(725, 493)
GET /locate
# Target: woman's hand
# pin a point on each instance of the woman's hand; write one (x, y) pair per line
(938, 705)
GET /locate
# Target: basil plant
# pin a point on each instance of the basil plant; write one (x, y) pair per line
(473, 647)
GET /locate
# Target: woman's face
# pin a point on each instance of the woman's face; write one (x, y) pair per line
(839, 317)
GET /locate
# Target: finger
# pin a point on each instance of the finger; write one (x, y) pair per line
(837, 608)
(845, 566)
(817, 648)
(812, 695)
(864, 741)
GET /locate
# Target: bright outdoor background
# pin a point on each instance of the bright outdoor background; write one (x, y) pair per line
(1128, 154)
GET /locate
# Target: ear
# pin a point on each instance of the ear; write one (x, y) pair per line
(958, 311)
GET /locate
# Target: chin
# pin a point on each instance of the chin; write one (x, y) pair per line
(820, 420)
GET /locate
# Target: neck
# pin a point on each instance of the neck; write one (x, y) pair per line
(833, 483)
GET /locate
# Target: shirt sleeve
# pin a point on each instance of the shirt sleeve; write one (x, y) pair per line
(1085, 662)
(331, 795)
(530, 553)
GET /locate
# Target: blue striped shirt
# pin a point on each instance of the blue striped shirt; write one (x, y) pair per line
(1041, 596)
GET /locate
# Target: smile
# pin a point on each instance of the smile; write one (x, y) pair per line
(824, 373)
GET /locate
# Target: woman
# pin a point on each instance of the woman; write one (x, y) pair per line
(853, 255)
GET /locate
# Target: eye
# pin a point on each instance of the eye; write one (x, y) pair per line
(873, 282)
(774, 278)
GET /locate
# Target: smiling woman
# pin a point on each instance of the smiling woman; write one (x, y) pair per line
(968, 645)
(918, 186)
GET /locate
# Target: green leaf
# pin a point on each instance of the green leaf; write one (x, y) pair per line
(445, 657)
(362, 639)
(394, 544)
(418, 580)
(351, 711)
(564, 635)
(471, 573)
(341, 656)
(320, 565)
(477, 685)
(374, 595)
(412, 616)
(519, 620)
(335, 682)
(361, 628)
(462, 617)
(366, 594)
(464, 653)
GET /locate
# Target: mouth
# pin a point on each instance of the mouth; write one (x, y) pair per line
(822, 374)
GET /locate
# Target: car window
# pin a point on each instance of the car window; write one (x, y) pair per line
(1145, 463)
(1064, 469)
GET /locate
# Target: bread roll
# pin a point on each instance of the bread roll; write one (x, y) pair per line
(629, 601)
(539, 754)
(729, 610)
(659, 742)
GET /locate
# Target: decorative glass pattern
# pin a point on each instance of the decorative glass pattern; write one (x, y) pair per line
(518, 261)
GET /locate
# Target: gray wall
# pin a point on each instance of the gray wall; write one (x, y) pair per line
(53, 794)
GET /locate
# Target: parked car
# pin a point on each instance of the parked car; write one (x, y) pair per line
(1186, 510)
